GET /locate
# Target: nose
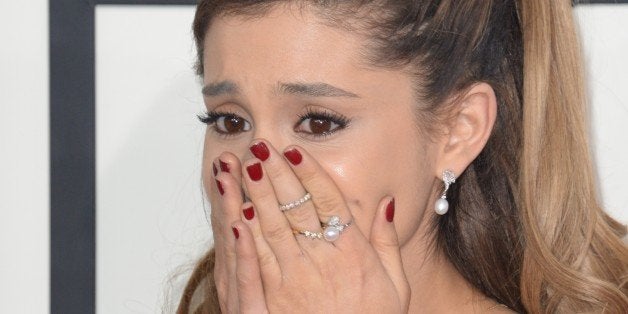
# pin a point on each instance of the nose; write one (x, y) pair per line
(272, 134)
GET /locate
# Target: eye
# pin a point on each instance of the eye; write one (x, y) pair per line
(321, 123)
(226, 123)
(232, 124)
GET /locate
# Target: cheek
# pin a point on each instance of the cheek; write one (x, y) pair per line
(372, 168)
(354, 182)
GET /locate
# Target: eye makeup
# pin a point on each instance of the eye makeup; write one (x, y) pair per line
(315, 123)
(320, 123)
(225, 123)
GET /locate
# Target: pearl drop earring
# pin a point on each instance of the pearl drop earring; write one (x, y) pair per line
(442, 205)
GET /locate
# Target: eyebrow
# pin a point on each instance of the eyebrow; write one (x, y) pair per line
(220, 88)
(304, 89)
(314, 90)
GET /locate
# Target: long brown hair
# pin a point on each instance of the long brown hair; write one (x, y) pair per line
(525, 226)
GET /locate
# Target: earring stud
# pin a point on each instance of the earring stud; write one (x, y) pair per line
(442, 205)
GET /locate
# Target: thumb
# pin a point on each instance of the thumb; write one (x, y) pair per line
(385, 242)
(248, 278)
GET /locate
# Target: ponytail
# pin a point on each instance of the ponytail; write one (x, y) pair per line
(574, 260)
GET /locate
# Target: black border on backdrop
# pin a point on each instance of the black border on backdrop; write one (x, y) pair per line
(72, 152)
(73, 148)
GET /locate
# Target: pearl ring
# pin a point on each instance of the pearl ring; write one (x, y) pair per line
(331, 231)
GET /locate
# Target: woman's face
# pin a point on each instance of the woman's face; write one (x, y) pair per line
(288, 78)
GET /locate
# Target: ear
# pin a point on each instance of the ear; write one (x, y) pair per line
(468, 129)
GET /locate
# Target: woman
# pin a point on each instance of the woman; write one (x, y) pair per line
(399, 156)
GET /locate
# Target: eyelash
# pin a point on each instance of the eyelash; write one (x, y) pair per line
(210, 117)
(340, 120)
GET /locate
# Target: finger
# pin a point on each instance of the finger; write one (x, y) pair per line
(249, 282)
(385, 242)
(287, 187)
(228, 162)
(218, 186)
(226, 207)
(273, 224)
(222, 271)
(226, 211)
(269, 267)
(221, 282)
(215, 192)
(326, 196)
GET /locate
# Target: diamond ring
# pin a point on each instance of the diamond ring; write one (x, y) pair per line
(295, 204)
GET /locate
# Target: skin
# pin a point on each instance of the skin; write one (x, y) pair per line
(354, 171)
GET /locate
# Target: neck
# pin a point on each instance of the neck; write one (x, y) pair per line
(437, 287)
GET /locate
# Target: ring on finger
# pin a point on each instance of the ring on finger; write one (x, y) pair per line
(331, 231)
(295, 204)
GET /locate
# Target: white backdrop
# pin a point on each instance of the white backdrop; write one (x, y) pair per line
(24, 166)
(150, 217)
(603, 31)
(150, 214)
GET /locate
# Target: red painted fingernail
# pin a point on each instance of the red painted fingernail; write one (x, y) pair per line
(294, 156)
(220, 189)
(236, 233)
(249, 213)
(215, 169)
(260, 150)
(255, 171)
(224, 166)
(390, 210)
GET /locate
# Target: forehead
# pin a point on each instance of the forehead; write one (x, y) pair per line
(288, 45)
(286, 40)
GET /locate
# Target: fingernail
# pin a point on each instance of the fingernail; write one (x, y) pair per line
(220, 189)
(236, 233)
(260, 150)
(255, 171)
(215, 169)
(390, 210)
(224, 166)
(249, 213)
(294, 156)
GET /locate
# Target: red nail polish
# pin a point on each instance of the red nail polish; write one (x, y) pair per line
(255, 171)
(220, 189)
(260, 150)
(249, 213)
(215, 169)
(224, 166)
(390, 210)
(236, 233)
(294, 156)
